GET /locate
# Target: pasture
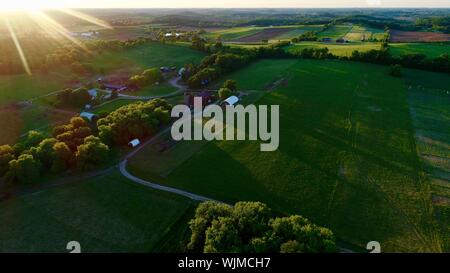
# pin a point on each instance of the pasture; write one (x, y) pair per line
(431, 50)
(104, 214)
(347, 157)
(335, 49)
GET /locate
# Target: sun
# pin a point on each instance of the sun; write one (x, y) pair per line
(28, 5)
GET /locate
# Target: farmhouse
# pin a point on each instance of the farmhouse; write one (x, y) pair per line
(341, 41)
(327, 40)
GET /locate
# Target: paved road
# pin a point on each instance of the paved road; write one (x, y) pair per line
(196, 197)
(173, 82)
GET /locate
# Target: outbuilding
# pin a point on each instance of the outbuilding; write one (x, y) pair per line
(89, 116)
(231, 101)
(134, 143)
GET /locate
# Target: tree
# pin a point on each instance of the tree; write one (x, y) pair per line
(395, 70)
(106, 134)
(204, 215)
(6, 155)
(248, 227)
(92, 153)
(24, 170)
(230, 84)
(152, 75)
(44, 152)
(63, 157)
(225, 93)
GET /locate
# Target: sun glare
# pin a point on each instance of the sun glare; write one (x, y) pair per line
(28, 5)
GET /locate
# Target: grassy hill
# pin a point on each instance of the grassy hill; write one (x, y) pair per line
(347, 156)
(104, 214)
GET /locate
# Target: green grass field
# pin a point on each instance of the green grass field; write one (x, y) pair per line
(154, 90)
(23, 87)
(145, 56)
(104, 214)
(335, 32)
(347, 157)
(431, 120)
(336, 49)
(431, 50)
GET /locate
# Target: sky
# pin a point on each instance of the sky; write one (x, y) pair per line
(225, 3)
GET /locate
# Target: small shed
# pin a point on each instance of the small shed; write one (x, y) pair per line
(231, 100)
(134, 143)
(89, 116)
(93, 93)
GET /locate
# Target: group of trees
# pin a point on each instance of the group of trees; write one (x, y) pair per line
(73, 98)
(249, 227)
(307, 36)
(229, 88)
(214, 66)
(137, 120)
(71, 146)
(148, 77)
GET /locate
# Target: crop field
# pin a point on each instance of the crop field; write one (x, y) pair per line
(336, 49)
(359, 33)
(109, 214)
(263, 35)
(297, 31)
(257, 34)
(431, 50)
(232, 33)
(398, 36)
(335, 32)
(347, 157)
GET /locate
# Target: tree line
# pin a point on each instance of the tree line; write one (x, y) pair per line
(251, 227)
(71, 146)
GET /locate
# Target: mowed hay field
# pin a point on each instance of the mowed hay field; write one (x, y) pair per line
(104, 214)
(347, 157)
(336, 49)
(431, 50)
